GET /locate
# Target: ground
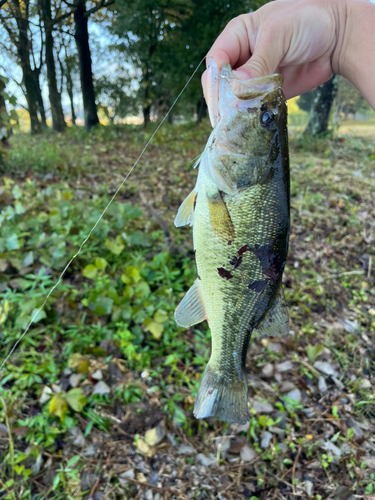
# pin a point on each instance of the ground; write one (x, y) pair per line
(97, 397)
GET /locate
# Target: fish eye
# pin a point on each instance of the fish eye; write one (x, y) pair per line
(267, 118)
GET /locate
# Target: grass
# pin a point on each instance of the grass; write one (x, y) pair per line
(112, 318)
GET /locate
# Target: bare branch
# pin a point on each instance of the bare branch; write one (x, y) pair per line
(11, 77)
(58, 19)
(10, 32)
(98, 7)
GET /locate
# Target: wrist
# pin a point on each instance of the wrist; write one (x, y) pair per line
(354, 55)
(343, 22)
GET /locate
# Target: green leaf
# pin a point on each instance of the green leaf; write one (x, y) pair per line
(156, 329)
(58, 406)
(28, 259)
(12, 242)
(56, 482)
(90, 271)
(160, 316)
(142, 289)
(133, 273)
(17, 192)
(115, 246)
(76, 399)
(19, 208)
(314, 351)
(39, 315)
(102, 306)
(73, 461)
(101, 263)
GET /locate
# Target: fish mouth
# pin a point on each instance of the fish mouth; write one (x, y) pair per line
(253, 87)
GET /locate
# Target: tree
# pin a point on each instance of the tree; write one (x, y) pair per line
(4, 118)
(166, 39)
(81, 35)
(115, 96)
(68, 66)
(58, 122)
(323, 98)
(15, 18)
(144, 27)
(349, 100)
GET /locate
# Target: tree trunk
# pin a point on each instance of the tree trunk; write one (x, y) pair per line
(24, 45)
(69, 89)
(81, 36)
(28, 76)
(58, 122)
(4, 123)
(67, 74)
(39, 98)
(31, 98)
(321, 107)
(201, 110)
(146, 115)
(146, 106)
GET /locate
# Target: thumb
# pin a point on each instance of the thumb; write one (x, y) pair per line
(264, 61)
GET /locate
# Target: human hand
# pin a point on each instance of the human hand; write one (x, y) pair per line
(301, 39)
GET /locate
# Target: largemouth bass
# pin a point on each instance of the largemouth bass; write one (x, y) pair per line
(239, 210)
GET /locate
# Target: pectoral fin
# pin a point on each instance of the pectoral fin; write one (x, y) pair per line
(219, 217)
(191, 309)
(185, 214)
(276, 321)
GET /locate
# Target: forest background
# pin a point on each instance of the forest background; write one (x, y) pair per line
(81, 62)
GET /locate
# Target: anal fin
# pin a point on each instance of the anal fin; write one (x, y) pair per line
(191, 309)
(276, 321)
(185, 214)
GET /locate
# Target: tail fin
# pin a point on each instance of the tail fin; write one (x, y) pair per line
(219, 399)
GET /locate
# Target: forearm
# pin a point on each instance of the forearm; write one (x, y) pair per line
(356, 60)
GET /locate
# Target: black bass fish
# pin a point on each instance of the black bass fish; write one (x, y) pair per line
(239, 210)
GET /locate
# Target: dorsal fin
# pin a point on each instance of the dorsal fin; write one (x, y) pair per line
(185, 214)
(276, 321)
(191, 309)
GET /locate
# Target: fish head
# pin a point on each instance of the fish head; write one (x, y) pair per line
(251, 130)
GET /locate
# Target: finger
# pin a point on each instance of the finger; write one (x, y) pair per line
(267, 51)
(232, 45)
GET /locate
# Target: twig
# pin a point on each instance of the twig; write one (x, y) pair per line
(369, 267)
(110, 491)
(294, 467)
(121, 431)
(279, 479)
(91, 496)
(339, 275)
(309, 367)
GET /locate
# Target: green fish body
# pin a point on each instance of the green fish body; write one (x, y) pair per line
(239, 210)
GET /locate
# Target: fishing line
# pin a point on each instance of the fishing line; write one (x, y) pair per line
(99, 219)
